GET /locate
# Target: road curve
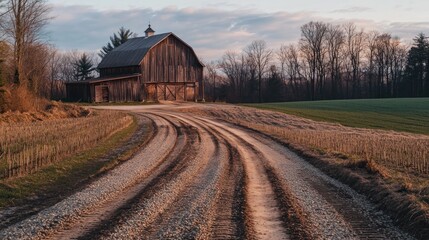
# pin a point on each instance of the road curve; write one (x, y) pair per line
(199, 178)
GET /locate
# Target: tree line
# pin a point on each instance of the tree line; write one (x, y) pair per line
(328, 62)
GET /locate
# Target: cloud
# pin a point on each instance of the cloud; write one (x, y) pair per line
(210, 31)
(409, 29)
(352, 10)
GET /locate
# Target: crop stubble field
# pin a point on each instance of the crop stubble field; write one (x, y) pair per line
(27, 147)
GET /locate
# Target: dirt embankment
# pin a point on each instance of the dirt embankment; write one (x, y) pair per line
(18, 104)
(49, 110)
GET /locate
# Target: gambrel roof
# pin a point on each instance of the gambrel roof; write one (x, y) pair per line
(132, 52)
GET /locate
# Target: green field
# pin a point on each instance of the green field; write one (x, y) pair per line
(406, 114)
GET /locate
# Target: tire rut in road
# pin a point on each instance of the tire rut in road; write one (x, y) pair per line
(363, 218)
(351, 209)
(227, 217)
(363, 226)
(174, 165)
(186, 218)
(177, 206)
(228, 214)
(265, 218)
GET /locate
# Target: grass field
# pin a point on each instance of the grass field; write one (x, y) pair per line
(406, 114)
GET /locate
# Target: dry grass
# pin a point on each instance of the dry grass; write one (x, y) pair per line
(388, 150)
(27, 147)
(20, 99)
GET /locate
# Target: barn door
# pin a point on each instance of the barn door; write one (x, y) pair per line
(190, 93)
(170, 94)
(180, 93)
(101, 93)
(105, 93)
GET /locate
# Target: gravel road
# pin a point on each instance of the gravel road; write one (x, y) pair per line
(199, 178)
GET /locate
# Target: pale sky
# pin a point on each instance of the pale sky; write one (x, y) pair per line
(380, 10)
(212, 27)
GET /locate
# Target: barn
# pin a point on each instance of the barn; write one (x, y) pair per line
(155, 67)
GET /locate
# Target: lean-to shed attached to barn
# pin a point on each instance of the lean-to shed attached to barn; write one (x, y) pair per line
(150, 68)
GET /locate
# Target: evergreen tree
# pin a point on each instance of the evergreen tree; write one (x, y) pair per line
(84, 68)
(417, 67)
(116, 40)
(274, 92)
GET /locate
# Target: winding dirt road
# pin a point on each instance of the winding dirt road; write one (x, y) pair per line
(199, 178)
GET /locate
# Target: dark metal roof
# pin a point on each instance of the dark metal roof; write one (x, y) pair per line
(105, 79)
(132, 52)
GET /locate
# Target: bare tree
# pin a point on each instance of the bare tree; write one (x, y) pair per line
(335, 42)
(282, 57)
(211, 77)
(371, 44)
(234, 66)
(312, 47)
(382, 60)
(259, 56)
(22, 25)
(36, 68)
(289, 59)
(399, 63)
(355, 47)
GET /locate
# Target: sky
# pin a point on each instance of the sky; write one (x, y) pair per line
(213, 27)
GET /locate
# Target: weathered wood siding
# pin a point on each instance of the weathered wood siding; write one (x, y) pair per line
(124, 90)
(171, 61)
(119, 90)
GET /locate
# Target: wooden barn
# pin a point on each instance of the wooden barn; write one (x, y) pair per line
(151, 68)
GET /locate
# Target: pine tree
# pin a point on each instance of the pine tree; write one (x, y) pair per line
(417, 67)
(274, 86)
(84, 68)
(116, 40)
